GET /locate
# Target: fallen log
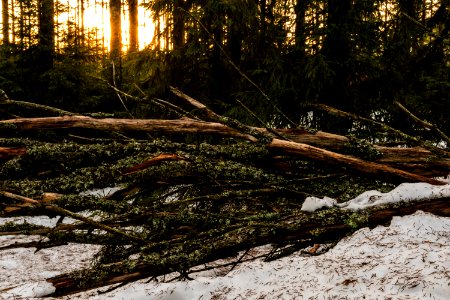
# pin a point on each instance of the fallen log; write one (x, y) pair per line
(11, 152)
(186, 125)
(366, 167)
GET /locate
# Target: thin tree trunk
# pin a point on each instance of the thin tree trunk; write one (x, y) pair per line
(46, 33)
(337, 51)
(178, 25)
(82, 30)
(300, 30)
(5, 22)
(134, 23)
(116, 39)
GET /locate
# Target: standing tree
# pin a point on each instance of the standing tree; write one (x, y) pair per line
(46, 34)
(337, 52)
(81, 11)
(116, 39)
(178, 29)
(300, 9)
(5, 22)
(133, 19)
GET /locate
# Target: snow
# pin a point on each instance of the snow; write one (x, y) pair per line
(409, 259)
(311, 204)
(404, 192)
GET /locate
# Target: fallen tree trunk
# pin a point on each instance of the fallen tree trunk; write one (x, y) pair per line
(181, 205)
(345, 160)
(9, 152)
(186, 125)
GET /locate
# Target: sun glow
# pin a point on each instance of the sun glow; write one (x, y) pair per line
(77, 18)
(96, 22)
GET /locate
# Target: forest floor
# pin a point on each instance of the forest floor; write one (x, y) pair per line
(409, 259)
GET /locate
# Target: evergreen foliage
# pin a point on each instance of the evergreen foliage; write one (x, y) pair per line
(359, 56)
(276, 59)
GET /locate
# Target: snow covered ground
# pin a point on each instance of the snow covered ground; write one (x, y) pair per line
(410, 259)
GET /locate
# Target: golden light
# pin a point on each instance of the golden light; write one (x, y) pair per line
(97, 19)
(69, 18)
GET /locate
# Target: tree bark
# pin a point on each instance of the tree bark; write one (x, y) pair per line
(186, 125)
(46, 34)
(8, 152)
(115, 7)
(5, 22)
(134, 36)
(360, 165)
(178, 29)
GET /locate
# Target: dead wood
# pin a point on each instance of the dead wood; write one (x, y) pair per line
(11, 152)
(423, 123)
(39, 107)
(386, 128)
(304, 228)
(360, 165)
(186, 125)
(186, 205)
(152, 162)
(65, 212)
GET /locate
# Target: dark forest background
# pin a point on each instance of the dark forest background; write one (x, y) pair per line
(359, 56)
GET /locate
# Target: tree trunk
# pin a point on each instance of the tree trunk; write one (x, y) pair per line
(366, 167)
(300, 31)
(192, 126)
(178, 25)
(5, 22)
(337, 51)
(116, 39)
(82, 37)
(46, 34)
(134, 23)
(8, 152)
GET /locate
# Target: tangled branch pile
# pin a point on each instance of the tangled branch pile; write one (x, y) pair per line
(177, 204)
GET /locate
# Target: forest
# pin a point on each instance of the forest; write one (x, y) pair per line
(214, 121)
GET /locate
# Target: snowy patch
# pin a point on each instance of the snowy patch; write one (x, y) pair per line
(34, 289)
(405, 192)
(35, 220)
(23, 271)
(410, 259)
(104, 192)
(311, 204)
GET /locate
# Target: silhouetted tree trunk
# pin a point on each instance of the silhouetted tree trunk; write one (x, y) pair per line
(408, 30)
(337, 52)
(178, 25)
(5, 22)
(235, 37)
(217, 71)
(46, 34)
(134, 36)
(21, 18)
(300, 30)
(116, 39)
(82, 10)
